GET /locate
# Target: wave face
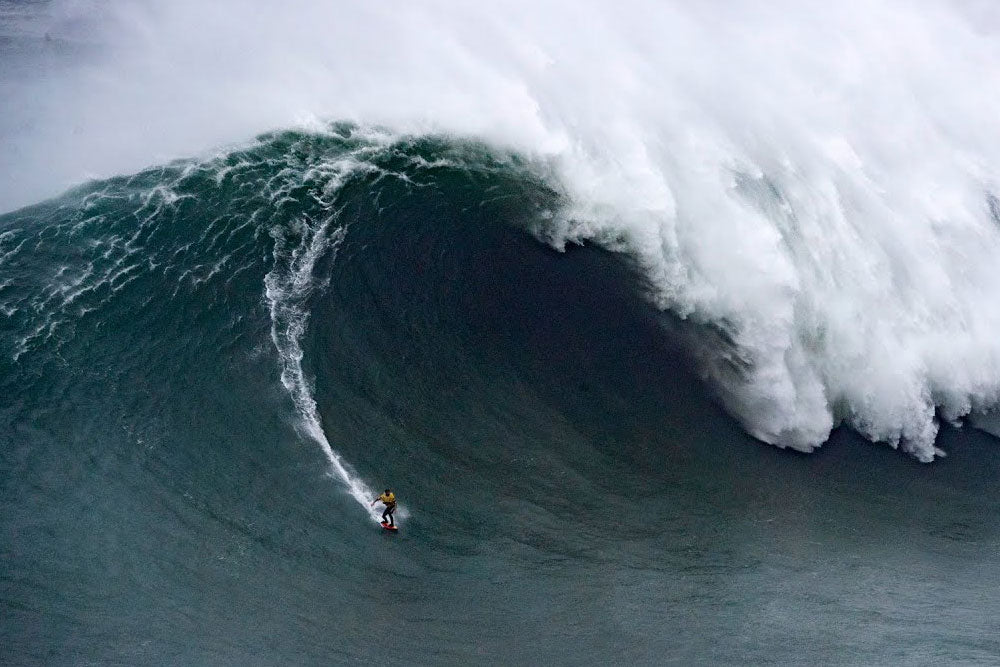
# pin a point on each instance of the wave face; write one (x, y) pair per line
(96, 261)
(211, 366)
(815, 183)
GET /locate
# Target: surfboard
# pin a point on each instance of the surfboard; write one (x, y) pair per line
(388, 527)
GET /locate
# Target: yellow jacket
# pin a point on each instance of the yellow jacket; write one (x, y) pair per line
(388, 498)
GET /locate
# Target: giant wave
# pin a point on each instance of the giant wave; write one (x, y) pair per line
(209, 364)
(815, 183)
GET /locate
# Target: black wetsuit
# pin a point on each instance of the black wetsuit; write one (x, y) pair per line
(389, 509)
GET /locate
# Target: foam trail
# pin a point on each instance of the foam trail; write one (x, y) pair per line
(287, 288)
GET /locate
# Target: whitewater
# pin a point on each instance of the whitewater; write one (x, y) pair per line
(817, 182)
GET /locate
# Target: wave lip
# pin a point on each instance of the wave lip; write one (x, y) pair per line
(839, 302)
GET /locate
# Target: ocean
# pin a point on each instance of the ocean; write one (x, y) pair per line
(660, 370)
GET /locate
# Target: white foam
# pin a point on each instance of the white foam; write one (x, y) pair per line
(288, 286)
(810, 175)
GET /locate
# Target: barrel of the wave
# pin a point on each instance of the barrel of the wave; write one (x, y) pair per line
(388, 500)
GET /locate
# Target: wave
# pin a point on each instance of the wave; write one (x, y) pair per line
(217, 359)
(810, 316)
(495, 287)
(92, 274)
(816, 184)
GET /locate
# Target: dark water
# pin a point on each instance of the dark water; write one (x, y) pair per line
(571, 492)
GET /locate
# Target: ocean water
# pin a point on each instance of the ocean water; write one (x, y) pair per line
(673, 330)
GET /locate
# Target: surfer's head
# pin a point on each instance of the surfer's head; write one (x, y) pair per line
(388, 491)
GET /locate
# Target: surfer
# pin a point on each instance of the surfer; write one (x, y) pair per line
(389, 500)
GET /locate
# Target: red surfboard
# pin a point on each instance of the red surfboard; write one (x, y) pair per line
(388, 527)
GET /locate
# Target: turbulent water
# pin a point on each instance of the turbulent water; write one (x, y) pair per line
(560, 281)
